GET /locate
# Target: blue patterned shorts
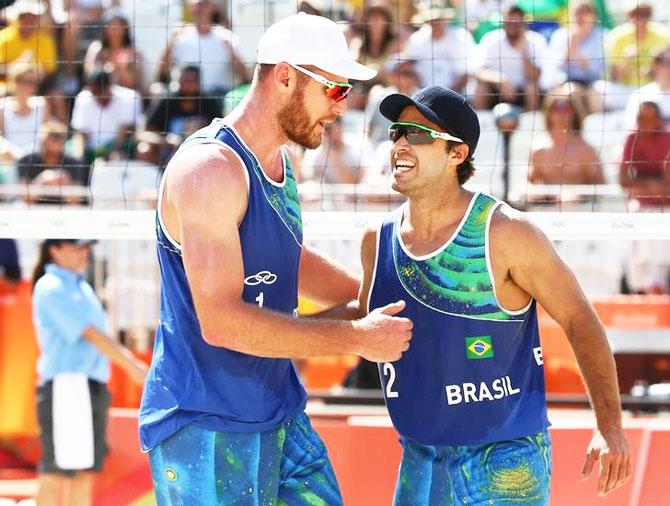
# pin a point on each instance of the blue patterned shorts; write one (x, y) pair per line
(503, 473)
(284, 466)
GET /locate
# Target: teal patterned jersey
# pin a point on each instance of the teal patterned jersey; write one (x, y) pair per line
(456, 278)
(473, 373)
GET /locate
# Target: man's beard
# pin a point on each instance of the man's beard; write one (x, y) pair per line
(295, 122)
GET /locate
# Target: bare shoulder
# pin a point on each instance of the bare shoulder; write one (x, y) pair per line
(206, 177)
(514, 236)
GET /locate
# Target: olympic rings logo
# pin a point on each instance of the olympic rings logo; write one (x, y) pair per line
(260, 278)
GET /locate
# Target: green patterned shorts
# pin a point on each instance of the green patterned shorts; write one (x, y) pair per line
(284, 466)
(503, 473)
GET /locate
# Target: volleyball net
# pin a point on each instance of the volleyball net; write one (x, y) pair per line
(591, 203)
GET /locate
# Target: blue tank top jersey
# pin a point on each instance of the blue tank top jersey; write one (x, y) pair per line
(215, 388)
(473, 373)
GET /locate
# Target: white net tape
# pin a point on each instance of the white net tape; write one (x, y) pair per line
(318, 225)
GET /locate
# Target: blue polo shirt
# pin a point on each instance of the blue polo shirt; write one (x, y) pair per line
(64, 305)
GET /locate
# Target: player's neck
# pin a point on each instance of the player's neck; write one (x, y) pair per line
(429, 215)
(255, 121)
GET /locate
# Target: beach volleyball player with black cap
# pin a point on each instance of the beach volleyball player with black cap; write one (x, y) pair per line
(222, 414)
(468, 397)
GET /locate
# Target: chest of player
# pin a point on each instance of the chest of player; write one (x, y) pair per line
(271, 238)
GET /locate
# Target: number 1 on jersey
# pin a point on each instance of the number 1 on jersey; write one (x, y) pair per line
(389, 371)
(260, 299)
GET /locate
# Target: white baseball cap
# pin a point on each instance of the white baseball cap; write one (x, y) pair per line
(304, 39)
(35, 7)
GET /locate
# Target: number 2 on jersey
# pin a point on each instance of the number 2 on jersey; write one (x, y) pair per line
(389, 371)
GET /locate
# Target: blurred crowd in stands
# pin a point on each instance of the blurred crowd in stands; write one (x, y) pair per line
(82, 104)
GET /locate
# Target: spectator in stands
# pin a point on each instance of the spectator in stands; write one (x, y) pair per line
(443, 52)
(22, 112)
(645, 174)
(73, 368)
(52, 156)
(26, 39)
(633, 45)
(339, 158)
(116, 47)
(563, 156)
(402, 78)
(576, 53)
(510, 60)
(479, 16)
(657, 91)
(645, 165)
(631, 48)
(82, 26)
(50, 187)
(377, 41)
(29, 38)
(104, 117)
(3, 12)
(211, 47)
(187, 110)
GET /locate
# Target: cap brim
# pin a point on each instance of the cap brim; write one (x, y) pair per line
(392, 106)
(35, 10)
(348, 69)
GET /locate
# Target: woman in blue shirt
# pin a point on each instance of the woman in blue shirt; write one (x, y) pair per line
(73, 369)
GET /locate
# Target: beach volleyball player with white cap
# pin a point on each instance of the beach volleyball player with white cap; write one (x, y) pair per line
(222, 410)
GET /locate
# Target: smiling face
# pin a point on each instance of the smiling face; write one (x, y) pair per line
(419, 168)
(309, 109)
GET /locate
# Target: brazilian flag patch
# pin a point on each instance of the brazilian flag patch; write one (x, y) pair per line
(478, 347)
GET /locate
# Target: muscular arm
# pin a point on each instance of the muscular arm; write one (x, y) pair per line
(533, 265)
(536, 268)
(205, 199)
(325, 281)
(358, 308)
(368, 255)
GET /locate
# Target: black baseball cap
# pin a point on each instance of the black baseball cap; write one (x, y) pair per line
(443, 106)
(76, 242)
